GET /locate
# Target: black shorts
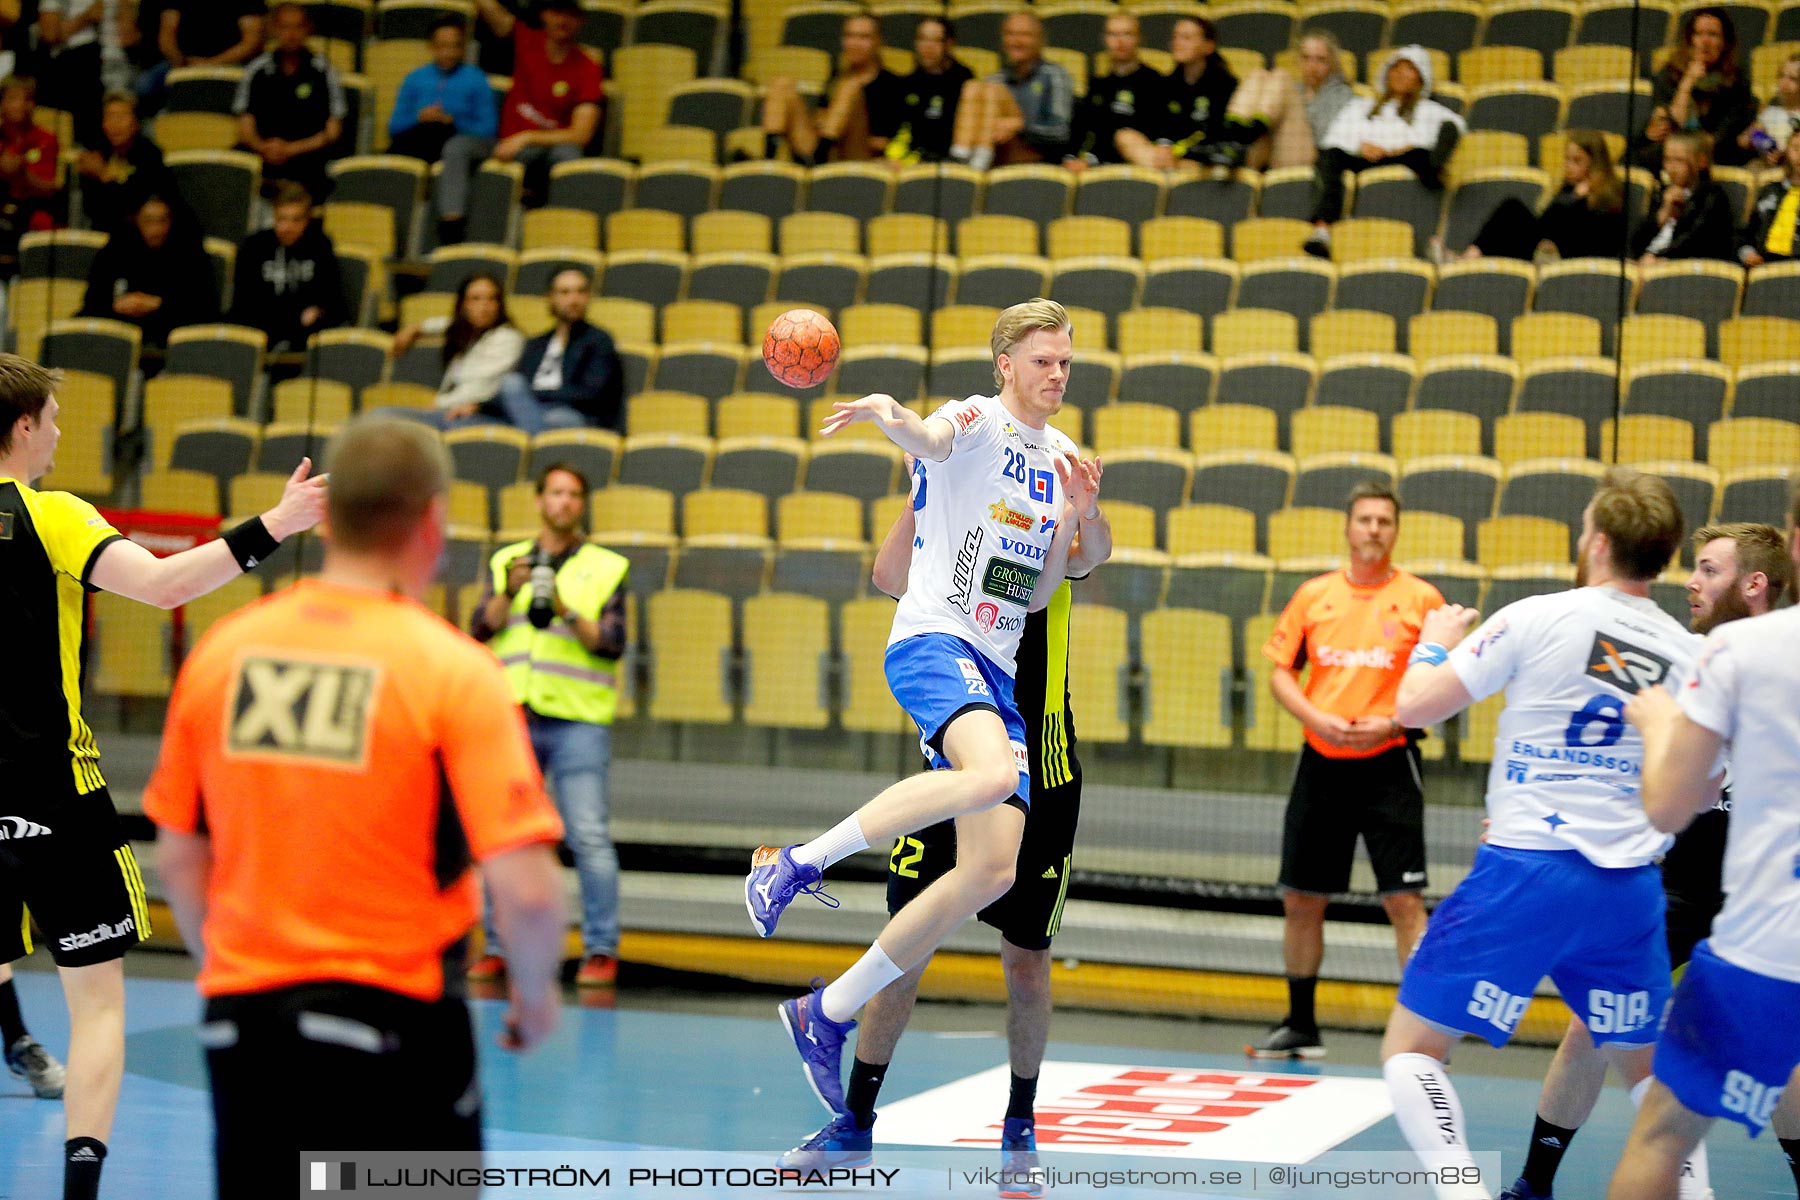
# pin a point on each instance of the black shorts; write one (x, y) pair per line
(65, 865)
(1693, 873)
(329, 1067)
(1030, 913)
(1336, 799)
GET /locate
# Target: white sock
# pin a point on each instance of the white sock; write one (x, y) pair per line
(1696, 1175)
(845, 995)
(1431, 1118)
(960, 153)
(981, 158)
(834, 845)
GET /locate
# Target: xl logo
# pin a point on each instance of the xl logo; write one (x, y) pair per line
(1618, 1012)
(296, 709)
(1627, 667)
(1497, 1007)
(1749, 1096)
(1023, 549)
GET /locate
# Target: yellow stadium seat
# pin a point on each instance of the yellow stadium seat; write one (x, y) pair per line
(1430, 535)
(1518, 540)
(1745, 442)
(1180, 237)
(1306, 533)
(657, 412)
(1519, 436)
(1426, 432)
(1326, 429)
(1187, 669)
(757, 414)
(1438, 334)
(712, 511)
(1099, 670)
(131, 648)
(1258, 238)
(787, 648)
(1211, 529)
(1350, 331)
(1358, 239)
(1554, 335)
(1267, 725)
(1645, 437)
(1745, 341)
(1255, 331)
(868, 705)
(632, 508)
(1133, 525)
(690, 647)
(180, 491)
(1154, 330)
(1645, 337)
(820, 515)
(1232, 427)
(1133, 425)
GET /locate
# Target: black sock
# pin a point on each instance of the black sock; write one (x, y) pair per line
(771, 145)
(1548, 1145)
(1791, 1147)
(12, 1022)
(1300, 1002)
(82, 1157)
(865, 1086)
(1022, 1104)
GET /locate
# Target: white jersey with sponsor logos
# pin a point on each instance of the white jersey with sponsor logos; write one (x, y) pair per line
(984, 520)
(1745, 687)
(1566, 763)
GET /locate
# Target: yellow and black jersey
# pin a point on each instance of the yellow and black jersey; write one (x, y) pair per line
(1041, 692)
(49, 542)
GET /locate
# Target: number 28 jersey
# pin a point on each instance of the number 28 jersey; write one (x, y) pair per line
(1567, 766)
(984, 519)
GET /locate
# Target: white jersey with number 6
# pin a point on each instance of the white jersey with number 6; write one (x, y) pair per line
(1745, 687)
(984, 520)
(1567, 766)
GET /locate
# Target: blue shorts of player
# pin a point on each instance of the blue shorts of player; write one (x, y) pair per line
(1724, 1052)
(1523, 914)
(937, 678)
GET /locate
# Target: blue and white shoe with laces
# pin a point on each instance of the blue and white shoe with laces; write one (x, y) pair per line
(838, 1146)
(774, 880)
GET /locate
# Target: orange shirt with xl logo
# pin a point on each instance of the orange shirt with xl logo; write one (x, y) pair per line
(1357, 640)
(348, 753)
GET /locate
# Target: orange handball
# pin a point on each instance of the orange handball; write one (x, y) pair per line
(801, 348)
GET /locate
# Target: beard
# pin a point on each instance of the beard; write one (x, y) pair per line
(1730, 606)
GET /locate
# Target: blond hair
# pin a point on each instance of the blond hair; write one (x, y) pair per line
(1641, 520)
(385, 472)
(1020, 322)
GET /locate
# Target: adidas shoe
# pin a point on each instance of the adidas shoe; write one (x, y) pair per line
(774, 880)
(1021, 1177)
(840, 1145)
(820, 1041)
(28, 1060)
(1520, 1190)
(1288, 1041)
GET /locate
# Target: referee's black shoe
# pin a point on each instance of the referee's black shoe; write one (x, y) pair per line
(1288, 1041)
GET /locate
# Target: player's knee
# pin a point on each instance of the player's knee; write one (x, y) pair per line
(995, 782)
(996, 880)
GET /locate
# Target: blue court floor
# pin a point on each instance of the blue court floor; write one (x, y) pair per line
(713, 1079)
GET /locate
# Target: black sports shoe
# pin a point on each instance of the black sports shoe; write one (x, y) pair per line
(1287, 1041)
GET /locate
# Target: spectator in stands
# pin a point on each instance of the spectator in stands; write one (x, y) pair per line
(69, 37)
(863, 113)
(1781, 119)
(1586, 216)
(1691, 215)
(930, 95)
(154, 273)
(1129, 97)
(1195, 99)
(1771, 234)
(1021, 113)
(286, 281)
(571, 376)
(290, 107)
(1702, 90)
(443, 98)
(1281, 120)
(201, 33)
(122, 167)
(481, 345)
(28, 154)
(549, 117)
(1402, 127)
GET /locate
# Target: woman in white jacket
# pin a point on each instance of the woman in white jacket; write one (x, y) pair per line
(481, 345)
(1403, 127)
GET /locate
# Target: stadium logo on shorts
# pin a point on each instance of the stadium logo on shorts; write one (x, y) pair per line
(14, 828)
(1629, 668)
(102, 932)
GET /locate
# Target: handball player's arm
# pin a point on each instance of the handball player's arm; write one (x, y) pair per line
(1093, 540)
(184, 860)
(922, 437)
(127, 569)
(893, 562)
(525, 886)
(1431, 691)
(1081, 484)
(1680, 759)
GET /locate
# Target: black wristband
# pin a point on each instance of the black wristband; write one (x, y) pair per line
(250, 543)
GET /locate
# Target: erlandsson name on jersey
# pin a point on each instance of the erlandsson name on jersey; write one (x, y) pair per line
(1580, 757)
(1378, 657)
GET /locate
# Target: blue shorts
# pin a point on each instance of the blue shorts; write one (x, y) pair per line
(1725, 1052)
(1523, 914)
(937, 678)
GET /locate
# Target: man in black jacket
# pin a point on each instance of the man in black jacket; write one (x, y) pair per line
(568, 378)
(287, 282)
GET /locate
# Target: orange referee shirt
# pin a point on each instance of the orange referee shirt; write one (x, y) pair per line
(1357, 640)
(348, 753)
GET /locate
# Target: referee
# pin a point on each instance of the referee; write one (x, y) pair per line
(65, 863)
(1358, 773)
(341, 733)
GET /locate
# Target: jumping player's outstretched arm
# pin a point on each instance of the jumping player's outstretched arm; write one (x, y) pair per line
(1081, 484)
(1680, 755)
(929, 438)
(1431, 691)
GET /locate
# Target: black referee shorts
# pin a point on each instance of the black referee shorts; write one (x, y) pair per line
(1030, 912)
(65, 865)
(1334, 800)
(334, 1066)
(1693, 874)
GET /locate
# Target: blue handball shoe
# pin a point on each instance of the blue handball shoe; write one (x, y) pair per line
(774, 880)
(820, 1041)
(1021, 1178)
(838, 1146)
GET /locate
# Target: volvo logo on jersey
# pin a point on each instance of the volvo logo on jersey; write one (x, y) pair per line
(1629, 668)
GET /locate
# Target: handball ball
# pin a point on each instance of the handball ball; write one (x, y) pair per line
(800, 348)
